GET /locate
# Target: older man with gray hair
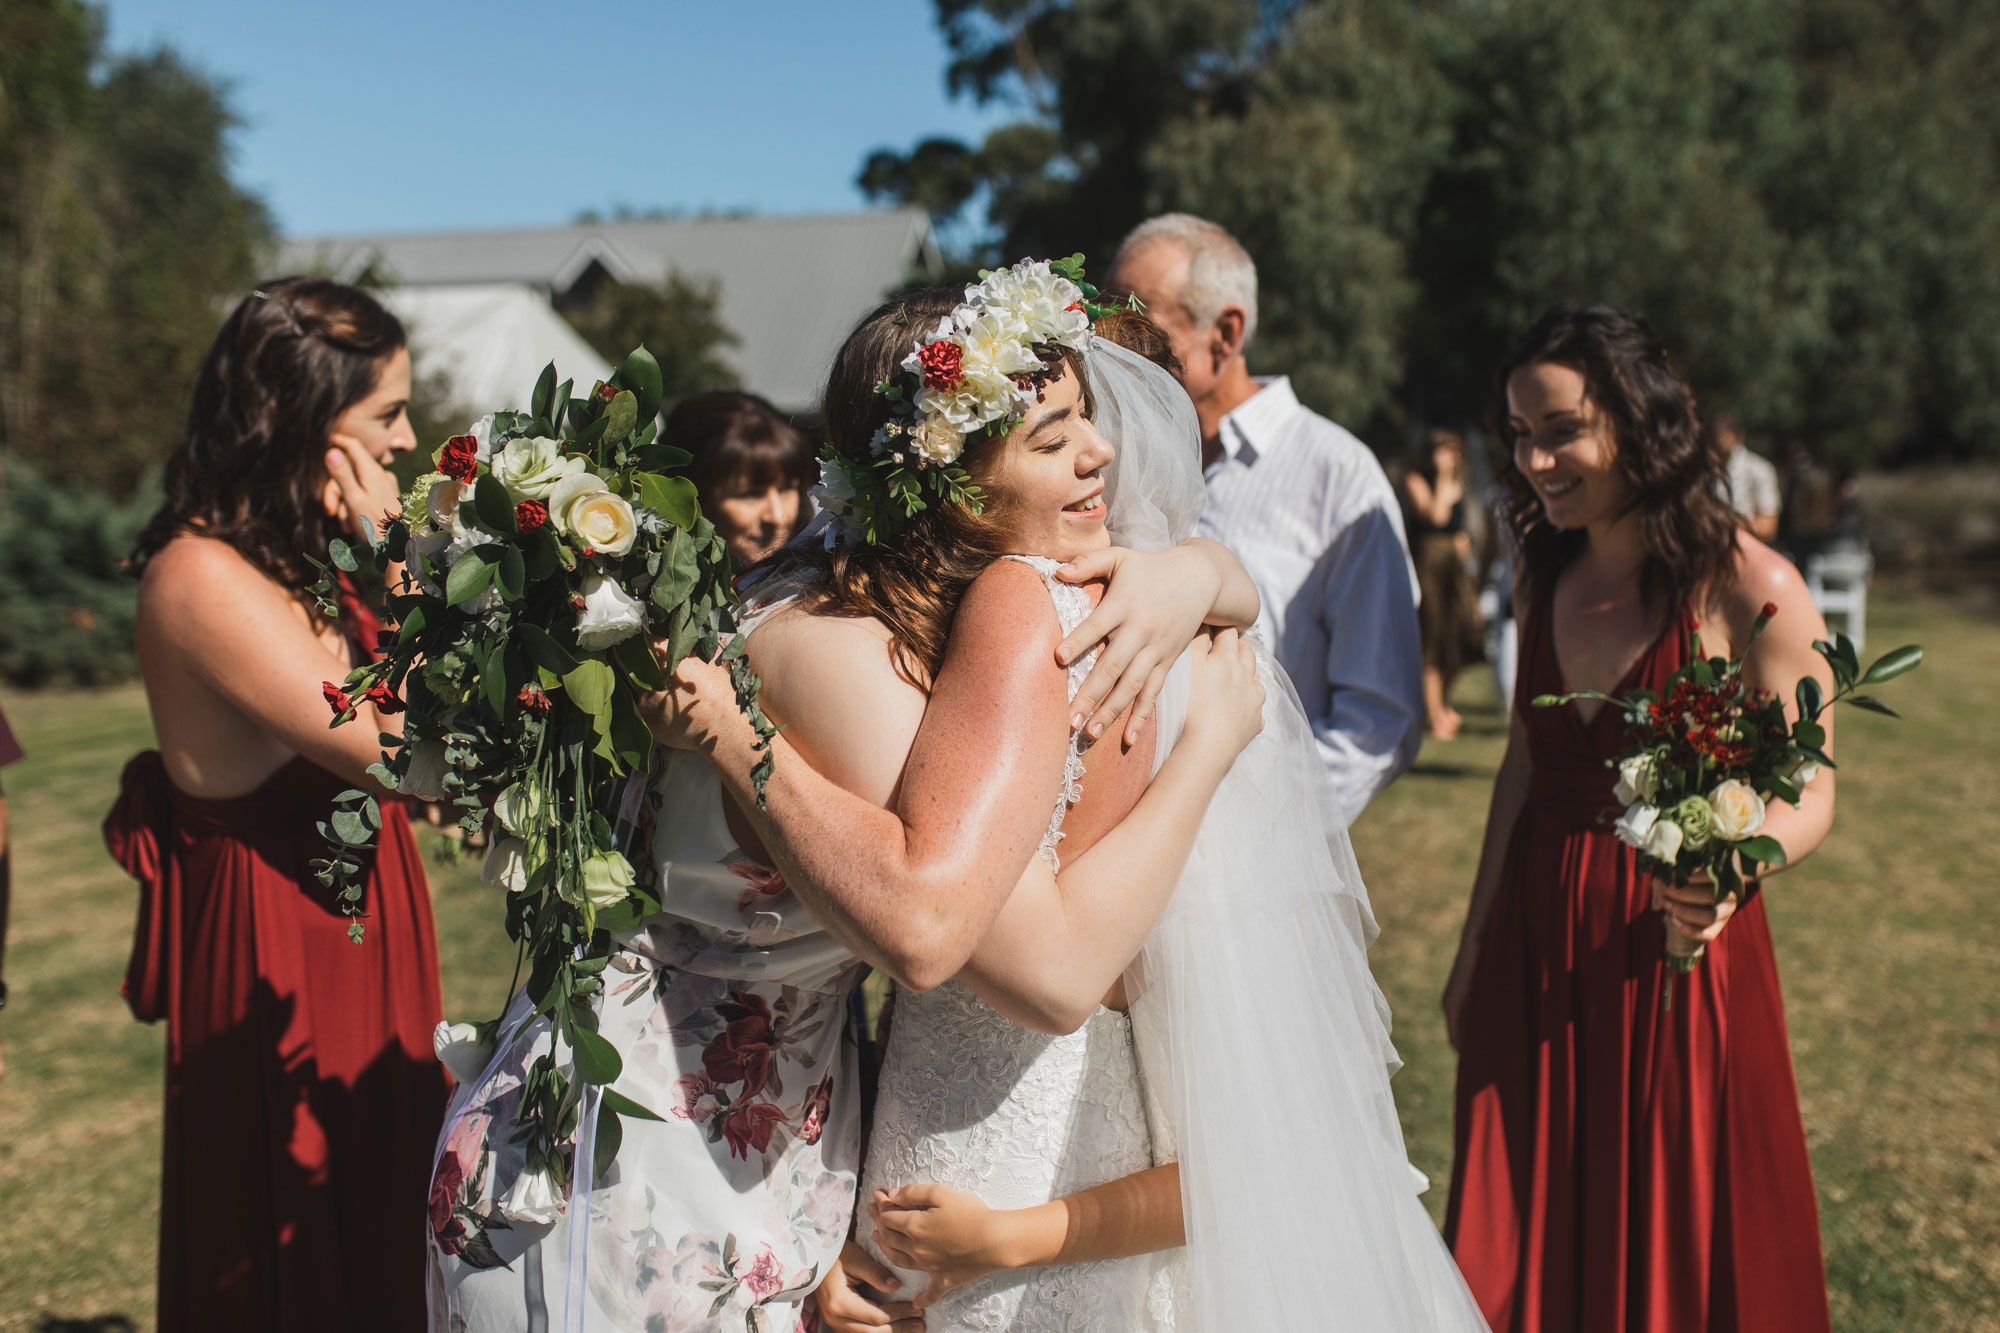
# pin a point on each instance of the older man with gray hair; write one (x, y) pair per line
(1301, 501)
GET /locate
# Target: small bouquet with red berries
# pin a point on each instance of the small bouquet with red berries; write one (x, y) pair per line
(1707, 757)
(538, 561)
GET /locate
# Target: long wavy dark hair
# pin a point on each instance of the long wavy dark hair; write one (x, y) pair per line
(1672, 465)
(913, 581)
(251, 468)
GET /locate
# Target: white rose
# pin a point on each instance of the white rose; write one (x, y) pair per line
(519, 809)
(1663, 843)
(567, 492)
(482, 435)
(1802, 772)
(604, 522)
(1635, 824)
(534, 1199)
(464, 1049)
(936, 440)
(530, 468)
(609, 614)
(1739, 810)
(424, 778)
(1638, 780)
(506, 864)
(607, 880)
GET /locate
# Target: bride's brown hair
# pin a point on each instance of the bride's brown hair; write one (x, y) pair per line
(912, 581)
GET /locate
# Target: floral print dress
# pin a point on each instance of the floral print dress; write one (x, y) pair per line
(729, 1010)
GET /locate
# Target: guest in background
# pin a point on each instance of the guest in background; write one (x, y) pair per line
(1811, 518)
(1620, 1165)
(303, 1100)
(1753, 482)
(1301, 501)
(10, 751)
(1434, 513)
(752, 466)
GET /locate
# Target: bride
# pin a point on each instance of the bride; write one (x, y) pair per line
(1266, 1043)
(727, 1007)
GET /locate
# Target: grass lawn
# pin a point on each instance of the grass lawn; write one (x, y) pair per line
(1886, 940)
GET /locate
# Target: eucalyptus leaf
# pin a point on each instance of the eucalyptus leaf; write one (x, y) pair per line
(342, 555)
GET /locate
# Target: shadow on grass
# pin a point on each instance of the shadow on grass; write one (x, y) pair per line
(104, 1323)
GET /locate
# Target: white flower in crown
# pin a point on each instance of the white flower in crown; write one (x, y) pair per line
(1048, 306)
(835, 492)
(935, 439)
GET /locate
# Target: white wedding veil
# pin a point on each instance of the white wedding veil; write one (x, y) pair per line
(1263, 1036)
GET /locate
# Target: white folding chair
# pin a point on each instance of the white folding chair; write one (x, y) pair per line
(1838, 582)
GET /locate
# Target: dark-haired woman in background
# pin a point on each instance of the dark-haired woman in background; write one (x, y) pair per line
(752, 467)
(1434, 500)
(1620, 1165)
(303, 1098)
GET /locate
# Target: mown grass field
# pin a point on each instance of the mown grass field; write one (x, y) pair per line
(1887, 942)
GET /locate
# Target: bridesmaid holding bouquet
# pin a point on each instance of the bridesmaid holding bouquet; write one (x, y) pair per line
(303, 1097)
(1621, 1165)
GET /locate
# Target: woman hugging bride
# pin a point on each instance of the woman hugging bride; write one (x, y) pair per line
(947, 806)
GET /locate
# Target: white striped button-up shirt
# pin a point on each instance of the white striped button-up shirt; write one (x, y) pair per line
(1307, 508)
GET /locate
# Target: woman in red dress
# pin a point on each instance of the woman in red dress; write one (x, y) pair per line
(303, 1098)
(1620, 1165)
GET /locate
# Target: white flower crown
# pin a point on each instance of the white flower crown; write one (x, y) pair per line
(975, 372)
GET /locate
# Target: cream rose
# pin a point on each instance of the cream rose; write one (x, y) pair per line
(530, 468)
(604, 522)
(1803, 772)
(609, 614)
(1635, 824)
(463, 1048)
(1663, 842)
(534, 1199)
(936, 440)
(506, 863)
(1738, 810)
(607, 880)
(424, 778)
(519, 810)
(1638, 780)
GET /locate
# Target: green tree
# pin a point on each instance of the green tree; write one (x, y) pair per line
(123, 236)
(676, 319)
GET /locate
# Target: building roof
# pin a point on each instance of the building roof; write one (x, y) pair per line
(790, 287)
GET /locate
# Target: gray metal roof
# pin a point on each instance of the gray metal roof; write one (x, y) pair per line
(790, 287)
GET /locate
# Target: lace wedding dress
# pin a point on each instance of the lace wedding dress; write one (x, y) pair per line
(967, 1098)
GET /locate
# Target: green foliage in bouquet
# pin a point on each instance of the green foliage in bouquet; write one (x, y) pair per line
(531, 576)
(1706, 755)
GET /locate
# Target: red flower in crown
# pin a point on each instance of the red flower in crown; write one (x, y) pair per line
(944, 365)
(384, 698)
(459, 459)
(529, 515)
(336, 698)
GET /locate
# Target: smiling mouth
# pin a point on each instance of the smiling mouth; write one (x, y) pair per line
(1554, 490)
(1088, 506)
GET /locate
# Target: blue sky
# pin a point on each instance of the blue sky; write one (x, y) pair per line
(374, 115)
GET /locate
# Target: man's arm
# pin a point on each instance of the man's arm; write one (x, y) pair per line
(1372, 725)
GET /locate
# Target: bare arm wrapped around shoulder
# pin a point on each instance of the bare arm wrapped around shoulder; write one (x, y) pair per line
(911, 889)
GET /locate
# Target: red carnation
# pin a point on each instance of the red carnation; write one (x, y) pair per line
(1073, 305)
(529, 515)
(606, 392)
(533, 700)
(384, 698)
(944, 365)
(459, 458)
(336, 698)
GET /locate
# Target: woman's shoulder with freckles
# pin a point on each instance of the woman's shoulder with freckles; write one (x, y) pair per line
(186, 575)
(1763, 576)
(1008, 599)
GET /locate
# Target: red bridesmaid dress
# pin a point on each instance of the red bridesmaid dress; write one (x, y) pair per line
(303, 1100)
(1619, 1166)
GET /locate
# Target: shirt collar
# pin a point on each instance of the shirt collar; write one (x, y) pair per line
(1254, 429)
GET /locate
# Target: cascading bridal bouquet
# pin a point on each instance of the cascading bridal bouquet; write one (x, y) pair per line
(537, 561)
(1704, 761)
